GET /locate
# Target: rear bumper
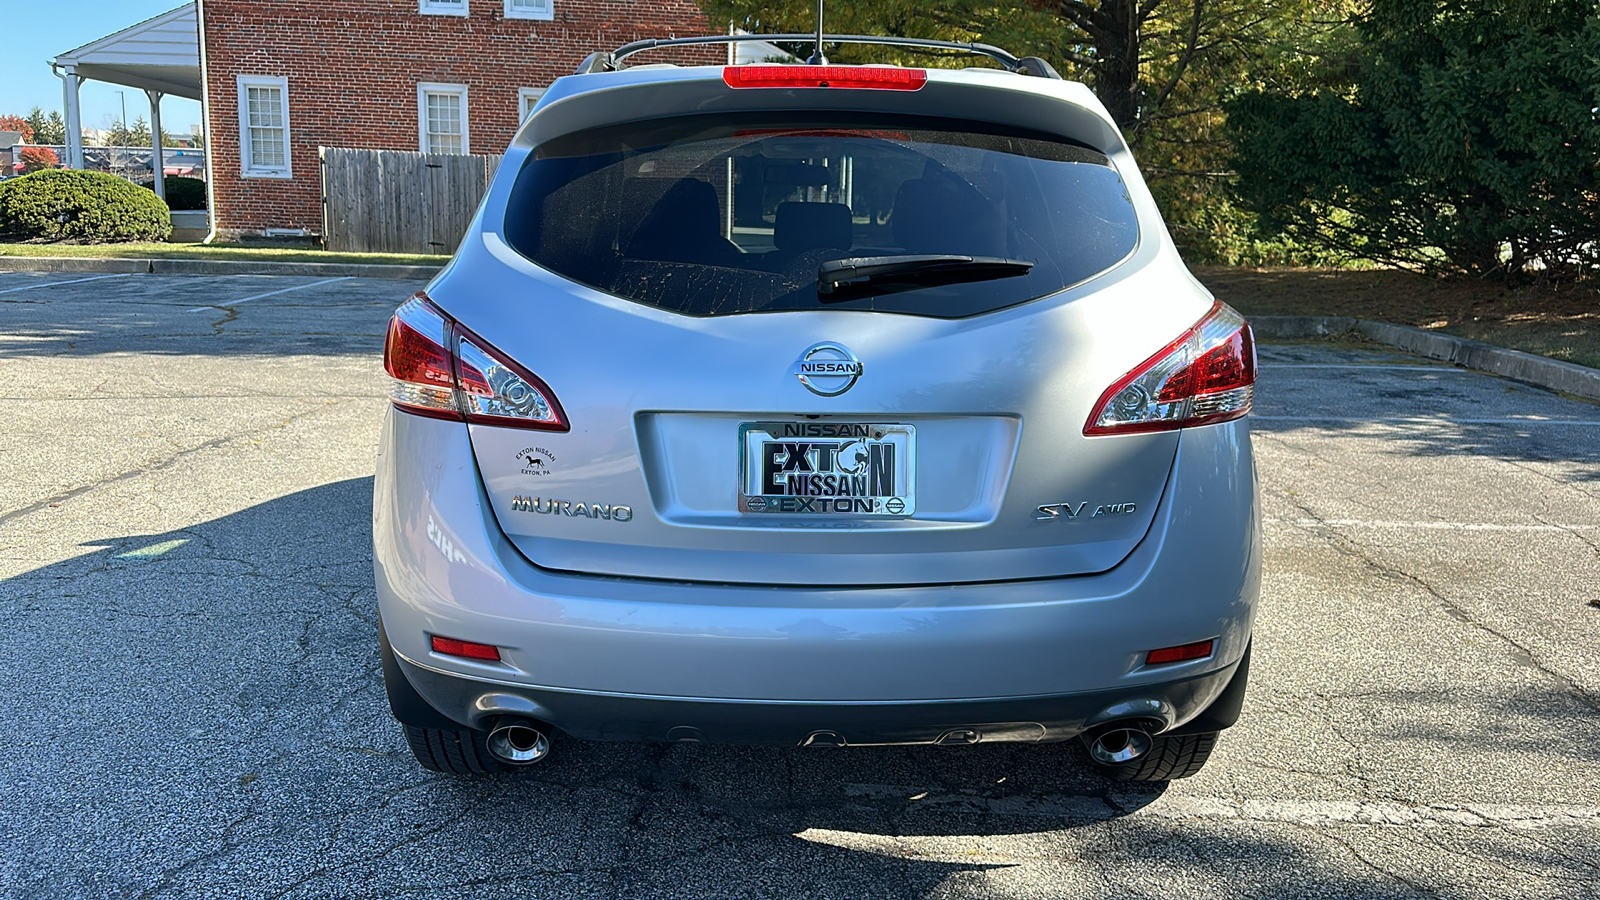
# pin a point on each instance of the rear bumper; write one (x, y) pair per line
(618, 717)
(602, 652)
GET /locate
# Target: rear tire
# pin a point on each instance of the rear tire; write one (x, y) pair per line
(453, 751)
(1170, 756)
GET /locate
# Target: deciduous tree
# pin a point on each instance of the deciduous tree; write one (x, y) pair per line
(17, 123)
(1163, 69)
(36, 158)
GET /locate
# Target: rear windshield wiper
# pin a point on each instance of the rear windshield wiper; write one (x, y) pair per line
(856, 273)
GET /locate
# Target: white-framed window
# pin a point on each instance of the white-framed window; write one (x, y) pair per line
(264, 126)
(530, 9)
(527, 99)
(442, 118)
(442, 7)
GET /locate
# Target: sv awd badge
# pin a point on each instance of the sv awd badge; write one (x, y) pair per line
(1052, 511)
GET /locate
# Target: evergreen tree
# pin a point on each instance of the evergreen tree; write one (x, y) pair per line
(1465, 140)
(40, 126)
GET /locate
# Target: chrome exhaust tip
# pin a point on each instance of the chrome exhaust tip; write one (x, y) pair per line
(1119, 743)
(518, 743)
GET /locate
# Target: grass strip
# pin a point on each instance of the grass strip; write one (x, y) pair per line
(1561, 321)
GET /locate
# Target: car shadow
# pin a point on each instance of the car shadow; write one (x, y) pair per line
(209, 702)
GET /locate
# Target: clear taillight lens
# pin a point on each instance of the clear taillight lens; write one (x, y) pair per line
(497, 391)
(475, 384)
(1207, 375)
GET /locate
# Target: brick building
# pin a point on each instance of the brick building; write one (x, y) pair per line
(279, 78)
(282, 78)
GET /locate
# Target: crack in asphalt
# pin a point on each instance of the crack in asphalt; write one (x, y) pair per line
(1383, 871)
(1519, 652)
(162, 463)
(1561, 482)
(321, 871)
(217, 327)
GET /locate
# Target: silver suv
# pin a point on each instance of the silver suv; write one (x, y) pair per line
(817, 405)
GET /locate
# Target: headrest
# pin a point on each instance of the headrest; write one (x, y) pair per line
(677, 225)
(943, 214)
(812, 226)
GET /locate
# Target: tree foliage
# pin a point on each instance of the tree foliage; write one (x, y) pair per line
(34, 159)
(17, 123)
(63, 204)
(1163, 69)
(122, 134)
(1138, 55)
(47, 129)
(183, 193)
(1466, 140)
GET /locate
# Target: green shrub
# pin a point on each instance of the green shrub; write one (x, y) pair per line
(182, 192)
(92, 207)
(1467, 142)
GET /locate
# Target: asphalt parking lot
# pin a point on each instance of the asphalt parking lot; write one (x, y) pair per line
(192, 704)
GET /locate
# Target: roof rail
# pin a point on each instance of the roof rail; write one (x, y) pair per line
(610, 62)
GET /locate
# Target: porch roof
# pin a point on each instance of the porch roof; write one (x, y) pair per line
(159, 54)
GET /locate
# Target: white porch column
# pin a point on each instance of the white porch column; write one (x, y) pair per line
(70, 82)
(158, 165)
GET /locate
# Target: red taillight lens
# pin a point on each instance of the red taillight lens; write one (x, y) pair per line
(1184, 653)
(879, 78)
(465, 649)
(414, 355)
(476, 383)
(1207, 375)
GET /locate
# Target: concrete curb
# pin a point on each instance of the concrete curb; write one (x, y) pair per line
(1569, 378)
(70, 264)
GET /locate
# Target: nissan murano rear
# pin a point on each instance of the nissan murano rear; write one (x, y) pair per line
(817, 406)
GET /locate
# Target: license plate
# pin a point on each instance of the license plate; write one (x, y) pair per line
(828, 468)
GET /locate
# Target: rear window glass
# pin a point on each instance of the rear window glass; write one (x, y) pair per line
(706, 217)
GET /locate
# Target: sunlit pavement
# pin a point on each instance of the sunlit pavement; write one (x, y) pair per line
(192, 704)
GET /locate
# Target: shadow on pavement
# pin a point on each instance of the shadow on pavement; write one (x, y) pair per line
(1575, 446)
(200, 713)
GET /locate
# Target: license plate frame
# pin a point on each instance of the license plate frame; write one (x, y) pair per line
(846, 469)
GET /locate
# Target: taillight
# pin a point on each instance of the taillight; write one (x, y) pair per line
(414, 355)
(1207, 375)
(476, 383)
(880, 78)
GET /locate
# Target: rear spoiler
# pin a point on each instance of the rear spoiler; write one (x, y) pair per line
(611, 61)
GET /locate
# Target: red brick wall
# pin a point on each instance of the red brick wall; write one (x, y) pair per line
(353, 67)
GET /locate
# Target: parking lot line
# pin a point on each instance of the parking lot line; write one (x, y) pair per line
(1371, 367)
(286, 290)
(1314, 813)
(32, 287)
(1426, 525)
(1412, 420)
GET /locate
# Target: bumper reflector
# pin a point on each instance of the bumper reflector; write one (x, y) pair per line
(467, 649)
(1184, 653)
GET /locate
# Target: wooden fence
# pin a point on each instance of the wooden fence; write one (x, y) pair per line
(395, 201)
